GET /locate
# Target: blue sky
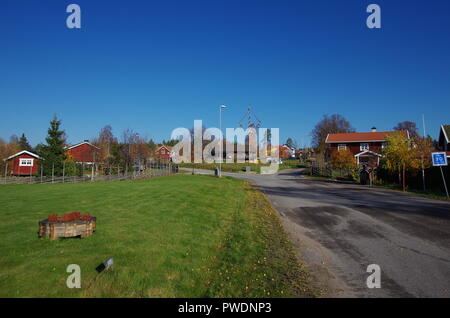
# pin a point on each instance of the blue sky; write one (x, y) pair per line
(156, 65)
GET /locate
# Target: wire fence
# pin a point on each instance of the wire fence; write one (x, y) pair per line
(322, 170)
(325, 169)
(152, 170)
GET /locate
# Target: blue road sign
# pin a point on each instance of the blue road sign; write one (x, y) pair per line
(439, 158)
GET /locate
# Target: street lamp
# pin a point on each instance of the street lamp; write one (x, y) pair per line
(221, 139)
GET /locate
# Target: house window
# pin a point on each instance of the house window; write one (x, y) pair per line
(364, 146)
(383, 145)
(342, 147)
(26, 162)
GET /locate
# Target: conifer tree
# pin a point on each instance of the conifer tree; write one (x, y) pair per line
(23, 143)
(53, 152)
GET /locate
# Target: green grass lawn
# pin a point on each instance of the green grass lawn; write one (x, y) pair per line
(177, 236)
(240, 167)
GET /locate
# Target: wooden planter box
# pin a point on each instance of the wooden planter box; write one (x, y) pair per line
(81, 228)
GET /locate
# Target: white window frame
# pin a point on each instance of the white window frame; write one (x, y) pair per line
(342, 147)
(26, 162)
(362, 148)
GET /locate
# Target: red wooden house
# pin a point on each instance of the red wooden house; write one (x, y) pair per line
(163, 153)
(444, 139)
(84, 152)
(286, 152)
(23, 163)
(365, 146)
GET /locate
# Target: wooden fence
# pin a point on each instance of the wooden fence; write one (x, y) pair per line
(153, 170)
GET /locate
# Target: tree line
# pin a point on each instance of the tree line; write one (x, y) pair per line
(113, 152)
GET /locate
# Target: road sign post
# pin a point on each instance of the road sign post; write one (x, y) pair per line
(439, 159)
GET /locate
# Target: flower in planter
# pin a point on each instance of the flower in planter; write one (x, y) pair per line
(85, 217)
(68, 217)
(53, 218)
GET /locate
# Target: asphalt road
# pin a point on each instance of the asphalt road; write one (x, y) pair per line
(340, 229)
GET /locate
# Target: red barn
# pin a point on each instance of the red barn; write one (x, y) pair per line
(23, 163)
(164, 153)
(84, 152)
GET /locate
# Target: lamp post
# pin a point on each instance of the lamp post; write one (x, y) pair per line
(221, 139)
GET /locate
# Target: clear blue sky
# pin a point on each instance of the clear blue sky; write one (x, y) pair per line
(156, 65)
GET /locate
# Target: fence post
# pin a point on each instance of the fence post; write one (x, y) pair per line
(53, 172)
(6, 170)
(64, 171)
(42, 173)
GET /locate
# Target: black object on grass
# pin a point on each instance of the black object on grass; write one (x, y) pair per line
(105, 265)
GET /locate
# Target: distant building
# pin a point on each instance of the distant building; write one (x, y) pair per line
(84, 152)
(163, 153)
(286, 152)
(444, 139)
(23, 163)
(365, 146)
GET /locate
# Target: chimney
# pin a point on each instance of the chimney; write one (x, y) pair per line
(374, 129)
(86, 140)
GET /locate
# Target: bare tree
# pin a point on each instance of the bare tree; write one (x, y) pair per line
(409, 126)
(6, 150)
(329, 124)
(105, 142)
(128, 138)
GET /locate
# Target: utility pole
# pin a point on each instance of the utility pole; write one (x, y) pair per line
(422, 159)
(445, 183)
(440, 159)
(423, 122)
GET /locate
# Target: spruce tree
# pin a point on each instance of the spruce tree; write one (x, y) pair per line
(53, 152)
(23, 143)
